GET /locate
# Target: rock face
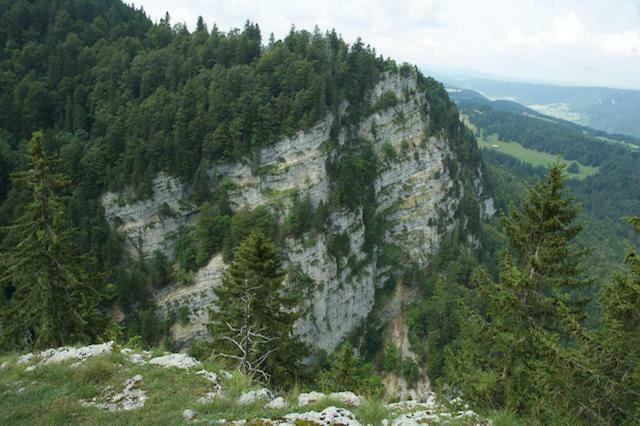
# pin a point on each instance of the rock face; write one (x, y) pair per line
(397, 335)
(413, 190)
(149, 225)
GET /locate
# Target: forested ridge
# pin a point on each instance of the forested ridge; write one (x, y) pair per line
(511, 313)
(118, 99)
(107, 100)
(128, 98)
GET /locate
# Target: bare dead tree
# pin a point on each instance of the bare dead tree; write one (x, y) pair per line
(247, 339)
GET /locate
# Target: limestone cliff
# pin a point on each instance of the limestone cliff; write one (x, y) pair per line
(414, 190)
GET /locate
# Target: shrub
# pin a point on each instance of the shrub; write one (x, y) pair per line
(389, 151)
(406, 70)
(300, 217)
(387, 100)
(391, 362)
(339, 245)
(183, 314)
(410, 370)
(348, 372)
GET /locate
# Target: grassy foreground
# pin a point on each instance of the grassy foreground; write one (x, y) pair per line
(52, 394)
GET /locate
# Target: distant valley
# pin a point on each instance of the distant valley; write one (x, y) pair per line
(612, 110)
(519, 144)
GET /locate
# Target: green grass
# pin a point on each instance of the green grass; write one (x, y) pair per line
(533, 157)
(506, 418)
(52, 395)
(469, 124)
(372, 412)
(629, 145)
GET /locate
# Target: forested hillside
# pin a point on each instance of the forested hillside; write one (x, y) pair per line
(120, 93)
(97, 99)
(120, 99)
(607, 197)
(308, 214)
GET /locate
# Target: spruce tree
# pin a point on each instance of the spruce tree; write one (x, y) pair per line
(601, 368)
(53, 300)
(348, 372)
(253, 321)
(614, 354)
(506, 358)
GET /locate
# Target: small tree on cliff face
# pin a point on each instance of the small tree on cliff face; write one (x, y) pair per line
(54, 301)
(254, 319)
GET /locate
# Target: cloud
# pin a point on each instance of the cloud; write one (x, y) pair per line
(565, 31)
(570, 32)
(626, 43)
(575, 41)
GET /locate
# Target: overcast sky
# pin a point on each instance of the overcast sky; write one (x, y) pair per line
(593, 42)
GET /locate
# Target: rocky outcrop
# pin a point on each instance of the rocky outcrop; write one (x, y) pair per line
(132, 397)
(413, 191)
(182, 361)
(149, 225)
(240, 405)
(397, 335)
(65, 353)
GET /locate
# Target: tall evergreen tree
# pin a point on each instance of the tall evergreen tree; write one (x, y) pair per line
(613, 354)
(601, 368)
(506, 358)
(53, 300)
(254, 318)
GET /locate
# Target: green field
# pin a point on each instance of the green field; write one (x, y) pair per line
(533, 157)
(627, 144)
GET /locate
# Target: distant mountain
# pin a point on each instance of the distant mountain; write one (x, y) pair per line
(611, 110)
(606, 196)
(467, 98)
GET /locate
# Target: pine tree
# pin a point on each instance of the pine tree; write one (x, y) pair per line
(253, 322)
(508, 356)
(53, 302)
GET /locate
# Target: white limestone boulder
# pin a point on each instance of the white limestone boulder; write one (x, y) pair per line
(252, 397)
(305, 399)
(182, 361)
(276, 404)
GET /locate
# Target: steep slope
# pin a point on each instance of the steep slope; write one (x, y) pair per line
(177, 142)
(415, 191)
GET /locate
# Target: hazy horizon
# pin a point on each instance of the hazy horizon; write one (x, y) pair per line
(583, 43)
